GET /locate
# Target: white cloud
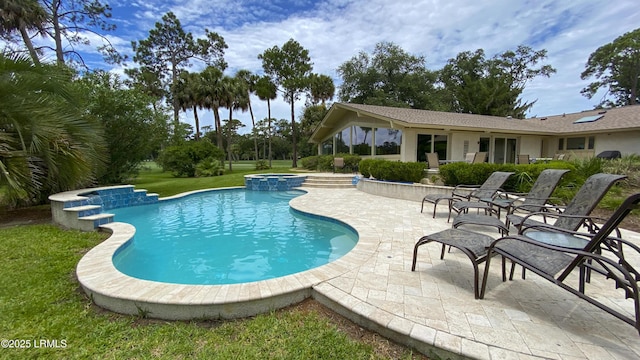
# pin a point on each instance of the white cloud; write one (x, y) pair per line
(335, 30)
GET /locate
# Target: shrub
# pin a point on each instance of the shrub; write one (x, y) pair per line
(521, 181)
(310, 162)
(262, 165)
(392, 170)
(209, 167)
(325, 162)
(182, 159)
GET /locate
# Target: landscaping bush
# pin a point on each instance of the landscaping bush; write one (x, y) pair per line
(392, 170)
(325, 162)
(182, 159)
(262, 165)
(310, 162)
(524, 176)
(209, 167)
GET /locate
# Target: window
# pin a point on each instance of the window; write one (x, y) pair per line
(440, 146)
(591, 144)
(576, 143)
(327, 147)
(560, 144)
(388, 141)
(362, 140)
(343, 141)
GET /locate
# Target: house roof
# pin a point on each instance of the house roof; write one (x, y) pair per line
(612, 120)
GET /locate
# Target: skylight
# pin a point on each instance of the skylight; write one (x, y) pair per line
(587, 119)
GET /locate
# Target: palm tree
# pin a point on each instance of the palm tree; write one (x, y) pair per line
(189, 95)
(267, 90)
(22, 16)
(235, 98)
(321, 88)
(250, 81)
(213, 93)
(47, 142)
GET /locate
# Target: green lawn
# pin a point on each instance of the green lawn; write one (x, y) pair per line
(154, 180)
(40, 300)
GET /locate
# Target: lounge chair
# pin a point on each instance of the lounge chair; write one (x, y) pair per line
(556, 255)
(481, 200)
(534, 201)
(479, 158)
(487, 190)
(524, 159)
(474, 244)
(338, 163)
(433, 163)
(468, 157)
(576, 213)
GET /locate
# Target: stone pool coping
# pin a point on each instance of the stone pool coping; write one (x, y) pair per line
(118, 292)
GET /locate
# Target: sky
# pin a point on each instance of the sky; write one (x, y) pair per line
(336, 30)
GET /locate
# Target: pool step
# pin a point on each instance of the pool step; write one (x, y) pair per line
(91, 222)
(333, 181)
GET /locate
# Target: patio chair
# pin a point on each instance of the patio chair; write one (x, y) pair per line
(474, 244)
(481, 200)
(468, 157)
(524, 159)
(433, 161)
(534, 201)
(576, 213)
(338, 163)
(461, 192)
(556, 255)
(479, 158)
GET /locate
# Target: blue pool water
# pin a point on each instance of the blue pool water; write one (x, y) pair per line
(227, 237)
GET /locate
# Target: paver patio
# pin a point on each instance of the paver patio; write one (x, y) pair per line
(433, 308)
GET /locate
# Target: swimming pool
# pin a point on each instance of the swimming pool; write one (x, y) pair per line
(227, 237)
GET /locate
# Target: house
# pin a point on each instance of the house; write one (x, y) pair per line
(408, 134)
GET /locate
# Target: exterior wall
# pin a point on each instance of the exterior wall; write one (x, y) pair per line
(409, 147)
(627, 142)
(457, 145)
(531, 145)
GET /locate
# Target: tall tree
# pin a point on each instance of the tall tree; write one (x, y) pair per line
(129, 123)
(267, 90)
(391, 77)
(47, 143)
(168, 49)
(492, 86)
(146, 82)
(22, 16)
(213, 93)
(321, 88)
(235, 98)
(289, 67)
(616, 66)
(189, 94)
(250, 81)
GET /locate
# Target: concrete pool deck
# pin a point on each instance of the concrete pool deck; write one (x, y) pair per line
(432, 309)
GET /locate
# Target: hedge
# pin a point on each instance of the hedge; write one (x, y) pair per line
(392, 170)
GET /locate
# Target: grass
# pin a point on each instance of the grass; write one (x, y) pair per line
(41, 300)
(154, 180)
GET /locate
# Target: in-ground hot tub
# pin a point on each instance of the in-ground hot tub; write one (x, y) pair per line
(273, 182)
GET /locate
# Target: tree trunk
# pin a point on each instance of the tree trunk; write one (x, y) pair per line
(218, 126)
(28, 43)
(229, 136)
(269, 130)
(253, 123)
(293, 134)
(57, 35)
(195, 116)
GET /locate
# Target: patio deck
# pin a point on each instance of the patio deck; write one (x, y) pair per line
(433, 309)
